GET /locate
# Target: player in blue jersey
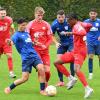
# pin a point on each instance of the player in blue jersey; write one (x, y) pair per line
(60, 26)
(93, 39)
(29, 57)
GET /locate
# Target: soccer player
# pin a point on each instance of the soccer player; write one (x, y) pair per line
(6, 26)
(78, 54)
(41, 35)
(29, 57)
(61, 26)
(93, 40)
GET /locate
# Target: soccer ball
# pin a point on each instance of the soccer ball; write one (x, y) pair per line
(51, 90)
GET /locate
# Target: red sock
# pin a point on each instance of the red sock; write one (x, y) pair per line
(82, 78)
(62, 69)
(10, 64)
(47, 74)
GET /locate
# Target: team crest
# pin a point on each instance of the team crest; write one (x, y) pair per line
(66, 27)
(43, 28)
(96, 24)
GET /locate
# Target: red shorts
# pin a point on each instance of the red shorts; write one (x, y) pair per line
(4, 48)
(76, 58)
(45, 57)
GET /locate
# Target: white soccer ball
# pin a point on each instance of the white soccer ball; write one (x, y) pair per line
(51, 90)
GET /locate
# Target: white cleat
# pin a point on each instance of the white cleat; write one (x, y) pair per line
(12, 75)
(90, 76)
(88, 92)
(71, 83)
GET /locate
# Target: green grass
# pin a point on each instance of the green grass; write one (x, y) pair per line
(30, 90)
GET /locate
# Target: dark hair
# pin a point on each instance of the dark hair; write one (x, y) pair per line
(93, 10)
(60, 12)
(1, 8)
(72, 16)
(21, 20)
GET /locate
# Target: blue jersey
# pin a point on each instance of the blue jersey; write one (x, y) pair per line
(60, 28)
(24, 45)
(94, 33)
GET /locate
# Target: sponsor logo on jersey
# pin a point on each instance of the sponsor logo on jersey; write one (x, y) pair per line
(94, 29)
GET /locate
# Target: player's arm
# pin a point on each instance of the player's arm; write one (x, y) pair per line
(9, 42)
(53, 27)
(12, 29)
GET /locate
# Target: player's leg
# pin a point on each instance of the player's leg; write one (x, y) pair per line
(42, 78)
(60, 51)
(78, 63)
(8, 51)
(70, 48)
(91, 52)
(23, 79)
(46, 61)
(65, 58)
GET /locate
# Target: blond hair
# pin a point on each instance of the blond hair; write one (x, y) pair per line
(40, 10)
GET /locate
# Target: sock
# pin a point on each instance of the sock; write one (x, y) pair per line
(62, 69)
(82, 78)
(60, 75)
(47, 74)
(10, 64)
(42, 86)
(12, 86)
(90, 65)
(72, 69)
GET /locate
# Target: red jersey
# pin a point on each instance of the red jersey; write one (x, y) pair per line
(79, 30)
(5, 26)
(41, 32)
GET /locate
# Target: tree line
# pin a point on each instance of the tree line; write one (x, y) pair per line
(25, 8)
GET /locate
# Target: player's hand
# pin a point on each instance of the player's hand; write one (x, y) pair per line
(58, 45)
(99, 38)
(68, 33)
(9, 42)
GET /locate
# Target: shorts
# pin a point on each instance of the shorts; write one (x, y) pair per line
(5, 48)
(29, 63)
(45, 57)
(62, 49)
(73, 57)
(94, 48)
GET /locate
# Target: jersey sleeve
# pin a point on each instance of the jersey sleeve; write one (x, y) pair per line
(79, 30)
(14, 38)
(53, 27)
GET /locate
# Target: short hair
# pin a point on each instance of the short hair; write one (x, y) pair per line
(60, 12)
(1, 8)
(39, 9)
(72, 16)
(93, 10)
(21, 20)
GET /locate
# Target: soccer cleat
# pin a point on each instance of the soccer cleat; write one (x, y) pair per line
(71, 83)
(42, 92)
(90, 76)
(59, 84)
(12, 75)
(88, 92)
(7, 90)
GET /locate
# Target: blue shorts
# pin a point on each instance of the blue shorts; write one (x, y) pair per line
(27, 64)
(62, 49)
(93, 48)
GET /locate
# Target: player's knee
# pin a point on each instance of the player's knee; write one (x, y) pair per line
(25, 78)
(77, 68)
(9, 55)
(41, 68)
(91, 56)
(47, 68)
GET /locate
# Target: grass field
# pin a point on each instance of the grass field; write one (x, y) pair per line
(30, 90)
